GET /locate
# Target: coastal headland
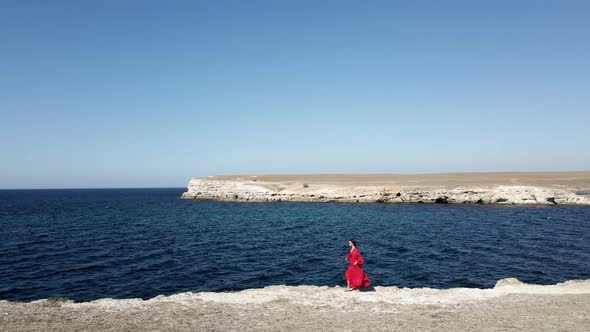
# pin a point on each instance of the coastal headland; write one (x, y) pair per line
(543, 188)
(510, 306)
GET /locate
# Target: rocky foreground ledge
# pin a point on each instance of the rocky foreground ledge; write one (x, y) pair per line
(552, 188)
(510, 306)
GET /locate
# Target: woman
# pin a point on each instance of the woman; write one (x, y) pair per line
(355, 276)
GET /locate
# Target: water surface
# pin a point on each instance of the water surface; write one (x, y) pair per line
(124, 243)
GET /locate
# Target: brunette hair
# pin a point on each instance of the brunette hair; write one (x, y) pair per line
(353, 242)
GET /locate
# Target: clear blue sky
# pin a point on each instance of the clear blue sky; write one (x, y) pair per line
(150, 93)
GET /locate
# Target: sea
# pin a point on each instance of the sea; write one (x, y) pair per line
(86, 244)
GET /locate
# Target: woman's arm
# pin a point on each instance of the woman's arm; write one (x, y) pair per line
(360, 260)
(354, 257)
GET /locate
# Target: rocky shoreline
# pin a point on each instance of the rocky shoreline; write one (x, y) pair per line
(510, 305)
(497, 188)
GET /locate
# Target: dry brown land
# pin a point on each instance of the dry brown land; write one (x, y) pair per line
(574, 180)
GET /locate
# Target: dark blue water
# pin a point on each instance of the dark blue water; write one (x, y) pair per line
(88, 244)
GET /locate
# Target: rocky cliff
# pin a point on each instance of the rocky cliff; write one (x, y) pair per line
(289, 189)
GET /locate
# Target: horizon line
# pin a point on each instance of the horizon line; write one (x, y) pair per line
(91, 188)
(265, 174)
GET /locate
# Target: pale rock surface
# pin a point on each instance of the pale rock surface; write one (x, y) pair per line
(253, 189)
(510, 306)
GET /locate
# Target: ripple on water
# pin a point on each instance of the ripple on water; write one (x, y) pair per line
(88, 244)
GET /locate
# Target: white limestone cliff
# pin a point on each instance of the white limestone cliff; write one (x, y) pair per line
(249, 189)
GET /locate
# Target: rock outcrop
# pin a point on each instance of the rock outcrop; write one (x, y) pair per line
(252, 189)
(514, 306)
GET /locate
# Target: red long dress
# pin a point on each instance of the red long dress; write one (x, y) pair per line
(355, 274)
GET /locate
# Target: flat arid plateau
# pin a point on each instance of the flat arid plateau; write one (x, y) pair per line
(509, 306)
(546, 188)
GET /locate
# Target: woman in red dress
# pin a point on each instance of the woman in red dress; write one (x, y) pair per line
(355, 276)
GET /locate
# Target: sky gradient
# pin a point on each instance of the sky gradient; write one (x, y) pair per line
(152, 93)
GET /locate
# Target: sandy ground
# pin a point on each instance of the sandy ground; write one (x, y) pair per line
(568, 180)
(510, 306)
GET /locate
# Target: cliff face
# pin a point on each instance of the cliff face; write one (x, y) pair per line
(251, 189)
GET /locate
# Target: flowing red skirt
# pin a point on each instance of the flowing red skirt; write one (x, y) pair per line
(357, 277)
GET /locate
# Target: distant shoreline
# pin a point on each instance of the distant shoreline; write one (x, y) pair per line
(512, 188)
